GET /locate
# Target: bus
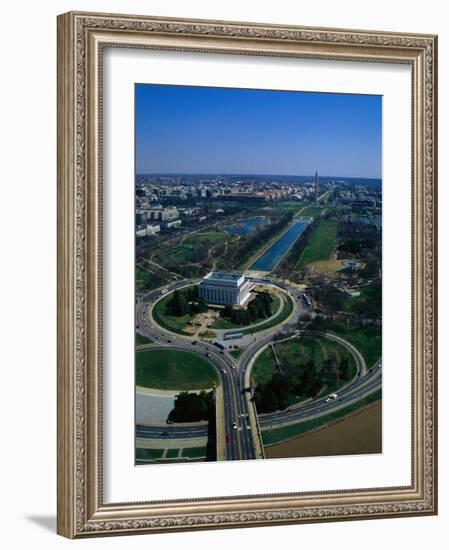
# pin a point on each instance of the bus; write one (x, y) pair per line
(233, 335)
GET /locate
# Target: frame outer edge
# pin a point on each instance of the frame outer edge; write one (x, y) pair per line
(66, 287)
(76, 366)
(435, 270)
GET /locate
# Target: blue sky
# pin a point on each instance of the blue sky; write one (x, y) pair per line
(184, 129)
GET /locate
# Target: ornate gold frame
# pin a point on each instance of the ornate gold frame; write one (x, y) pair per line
(81, 37)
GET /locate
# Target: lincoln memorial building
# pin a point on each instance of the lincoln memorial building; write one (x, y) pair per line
(225, 288)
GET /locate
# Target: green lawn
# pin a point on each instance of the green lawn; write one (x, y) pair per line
(149, 454)
(264, 367)
(185, 253)
(207, 334)
(300, 351)
(226, 324)
(312, 211)
(282, 316)
(368, 304)
(141, 340)
(172, 453)
(287, 206)
(236, 353)
(146, 280)
(276, 435)
(179, 254)
(169, 322)
(369, 301)
(207, 238)
(296, 350)
(194, 452)
(177, 324)
(174, 370)
(368, 340)
(321, 244)
(343, 353)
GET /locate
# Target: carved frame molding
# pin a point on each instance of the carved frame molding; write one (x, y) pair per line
(81, 39)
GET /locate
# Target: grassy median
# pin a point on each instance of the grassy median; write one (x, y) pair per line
(280, 318)
(321, 244)
(168, 369)
(297, 357)
(170, 322)
(368, 340)
(142, 340)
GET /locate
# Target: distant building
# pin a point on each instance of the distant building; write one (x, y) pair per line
(170, 213)
(141, 217)
(248, 197)
(153, 229)
(163, 214)
(173, 224)
(297, 197)
(148, 231)
(190, 211)
(360, 204)
(155, 213)
(316, 188)
(225, 288)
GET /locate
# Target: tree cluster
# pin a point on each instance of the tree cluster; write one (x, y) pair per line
(363, 241)
(279, 392)
(259, 308)
(200, 252)
(192, 407)
(301, 381)
(369, 308)
(185, 302)
(333, 299)
(147, 280)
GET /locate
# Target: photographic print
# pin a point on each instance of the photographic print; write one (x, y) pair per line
(231, 285)
(258, 274)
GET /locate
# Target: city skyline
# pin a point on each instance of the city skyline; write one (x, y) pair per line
(195, 130)
(247, 174)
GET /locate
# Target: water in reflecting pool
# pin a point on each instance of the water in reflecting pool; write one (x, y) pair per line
(272, 256)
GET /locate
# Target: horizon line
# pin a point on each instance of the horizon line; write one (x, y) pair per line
(250, 174)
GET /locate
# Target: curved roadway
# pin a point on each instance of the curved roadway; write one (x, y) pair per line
(235, 381)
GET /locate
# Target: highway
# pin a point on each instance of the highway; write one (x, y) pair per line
(235, 377)
(355, 391)
(365, 382)
(239, 443)
(170, 432)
